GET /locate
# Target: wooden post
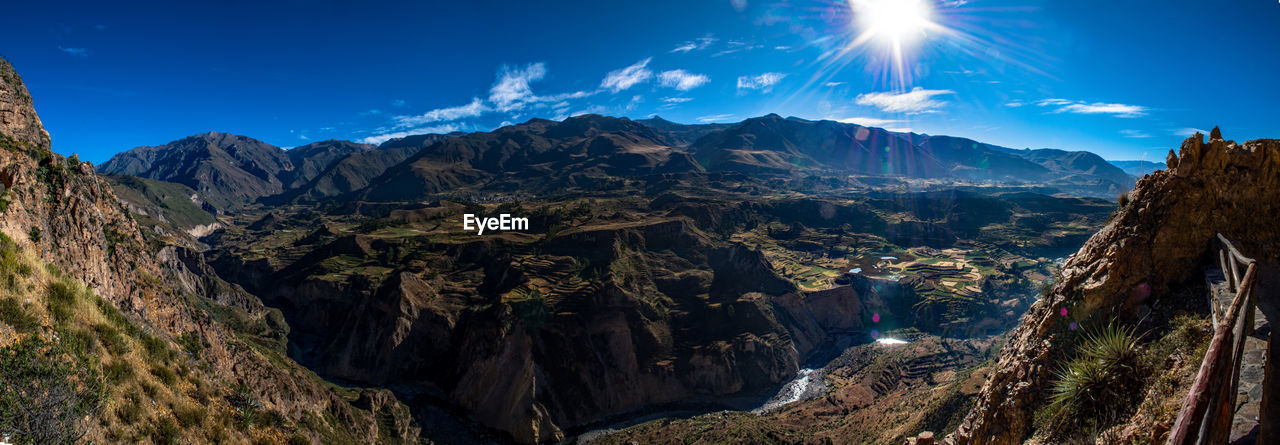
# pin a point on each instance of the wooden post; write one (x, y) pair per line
(1210, 401)
(1222, 263)
(1268, 413)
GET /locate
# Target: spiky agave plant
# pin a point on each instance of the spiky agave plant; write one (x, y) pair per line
(1094, 387)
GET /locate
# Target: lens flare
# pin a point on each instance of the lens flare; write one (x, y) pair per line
(897, 26)
(893, 21)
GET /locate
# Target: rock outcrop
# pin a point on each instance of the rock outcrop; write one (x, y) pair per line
(18, 117)
(66, 215)
(1157, 242)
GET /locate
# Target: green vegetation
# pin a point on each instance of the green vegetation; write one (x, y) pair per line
(530, 307)
(34, 234)
(45, 389)
(191, 343)
(1097, 386)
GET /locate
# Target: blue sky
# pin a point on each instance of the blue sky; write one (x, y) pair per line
(1125, 79)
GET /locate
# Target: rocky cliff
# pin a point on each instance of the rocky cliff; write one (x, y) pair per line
(61, 213)
(1155, 247)
(538, 338)
(18, 117)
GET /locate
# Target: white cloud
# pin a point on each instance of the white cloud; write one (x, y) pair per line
(78, 52)
(1014, 104)
(380, 138)
(1048, 102)
(1134, 134)
(676, 100)
(714, 118)
(916, 101)
(833, 84)
(1081, 107)
(868, 121)
(621, 79)
(739, 5)
(682, 80)
(512, 91)
(1119, 110)
(473, 109)
(694, 45)
(736, 46)
(763, 82)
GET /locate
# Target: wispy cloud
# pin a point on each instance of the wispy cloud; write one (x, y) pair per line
(734, 46)
(916, 101)
(398, 103)
(739, 5)
(715, 118)
(473, 109)
(762, 82)
(833, 84)
(1081, 107)
(1134, 134)
(1014, 104)
(78, 52)
(512, 91)
(1187, 132)
(682, 80)
(868, 121)
(700, 43)
(380, 138)
(621, 79)
(676, 100)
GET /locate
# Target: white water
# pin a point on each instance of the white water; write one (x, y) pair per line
(793, 391)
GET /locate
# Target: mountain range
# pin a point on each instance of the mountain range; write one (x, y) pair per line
(589, 151)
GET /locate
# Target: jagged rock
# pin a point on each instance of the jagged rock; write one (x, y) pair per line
(63, 212)
(18, 117)
(1152, 246)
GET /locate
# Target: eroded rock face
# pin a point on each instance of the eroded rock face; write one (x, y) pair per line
(18, 117)
(634, 314)
(1161, 239)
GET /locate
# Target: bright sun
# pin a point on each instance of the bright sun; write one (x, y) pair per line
(893, 21)
(896, 26)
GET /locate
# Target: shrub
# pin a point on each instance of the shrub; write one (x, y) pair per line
(156, 350)
(188, 416)
(61, 298)
(130, 410)
(117, 371)
(191, 343)
(12, 314)
(1095, 387)
(164, 432)
(164, 374)
(111, 339)
(34, 234)
(45, 390)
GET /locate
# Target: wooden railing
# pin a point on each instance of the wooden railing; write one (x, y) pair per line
(1206, 414)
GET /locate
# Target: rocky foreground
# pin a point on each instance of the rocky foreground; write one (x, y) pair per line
(1145, 265)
